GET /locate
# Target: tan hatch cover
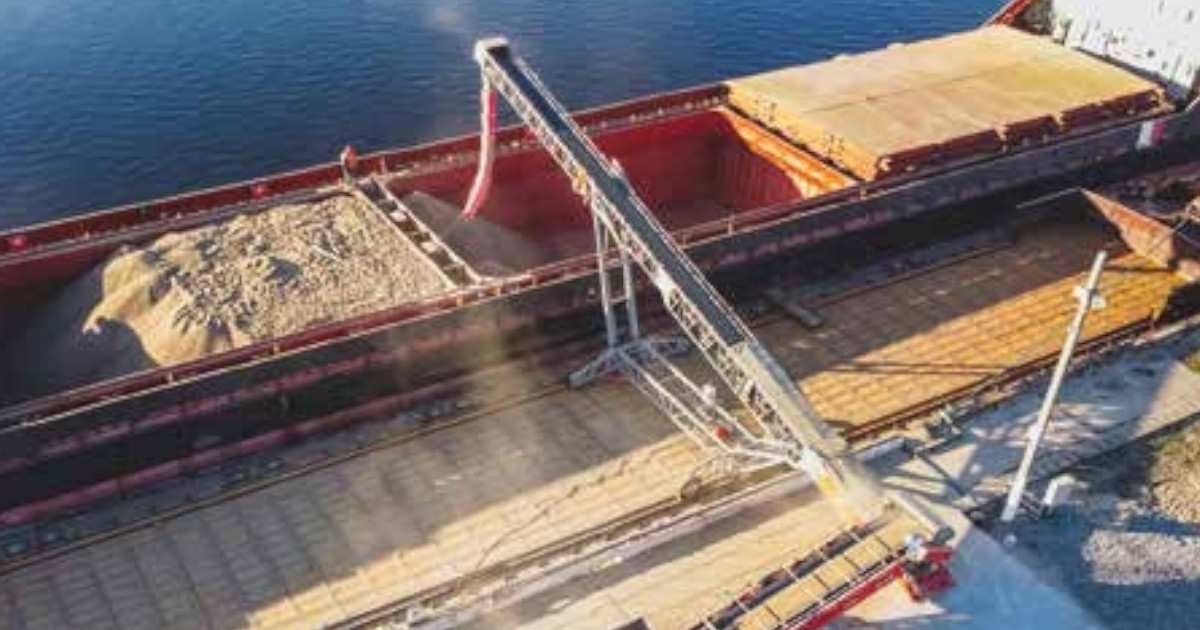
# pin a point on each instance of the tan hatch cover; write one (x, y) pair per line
(935, 101)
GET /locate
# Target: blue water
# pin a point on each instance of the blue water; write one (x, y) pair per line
(105, 102)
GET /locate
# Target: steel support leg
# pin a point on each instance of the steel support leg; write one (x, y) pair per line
(630, 340)
(606, 303)
(631, 314)
(609, 360)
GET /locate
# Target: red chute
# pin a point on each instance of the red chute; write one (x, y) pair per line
(487, 152)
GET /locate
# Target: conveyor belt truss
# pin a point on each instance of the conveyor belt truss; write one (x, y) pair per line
(782, 425)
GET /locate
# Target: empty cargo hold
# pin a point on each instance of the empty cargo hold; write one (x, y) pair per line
(935, 101)
(691, 169)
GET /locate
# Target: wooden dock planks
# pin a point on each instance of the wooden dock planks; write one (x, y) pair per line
(891, 348)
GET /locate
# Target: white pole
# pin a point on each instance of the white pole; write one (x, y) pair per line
(1089, 298)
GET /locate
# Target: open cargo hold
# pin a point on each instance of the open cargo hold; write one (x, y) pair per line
(702, 167)
(932, 102)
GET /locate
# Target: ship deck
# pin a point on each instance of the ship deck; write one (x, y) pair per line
(729, 165)
(948, 330)
(344, 538)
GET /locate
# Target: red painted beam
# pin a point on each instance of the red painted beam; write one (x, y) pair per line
(850, 598)
(23, 240)
(1010, 12)
(375, 409)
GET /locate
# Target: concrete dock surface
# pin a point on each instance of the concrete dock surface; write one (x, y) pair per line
(676, 585)
(1139, 391)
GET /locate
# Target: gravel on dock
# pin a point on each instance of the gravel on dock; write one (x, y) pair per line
(191, 294)
(1127, 543)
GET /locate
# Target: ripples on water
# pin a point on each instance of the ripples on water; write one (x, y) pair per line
(105, 102)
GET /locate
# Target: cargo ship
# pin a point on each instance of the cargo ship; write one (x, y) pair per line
(331, 400)
(748, 174)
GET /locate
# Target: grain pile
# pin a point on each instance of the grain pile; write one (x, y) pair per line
(488, 247)
(191, 294)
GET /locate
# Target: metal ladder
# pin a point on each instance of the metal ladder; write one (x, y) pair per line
(804, 592)
(447, 261)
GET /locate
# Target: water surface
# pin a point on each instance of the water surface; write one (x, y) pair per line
(105, 102)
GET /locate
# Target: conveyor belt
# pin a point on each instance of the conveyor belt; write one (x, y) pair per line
(768, 393)
(614, 191)
(747, 368)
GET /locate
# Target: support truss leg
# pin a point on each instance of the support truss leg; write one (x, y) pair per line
(610, 360)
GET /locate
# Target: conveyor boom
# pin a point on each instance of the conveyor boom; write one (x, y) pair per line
(758, 381)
